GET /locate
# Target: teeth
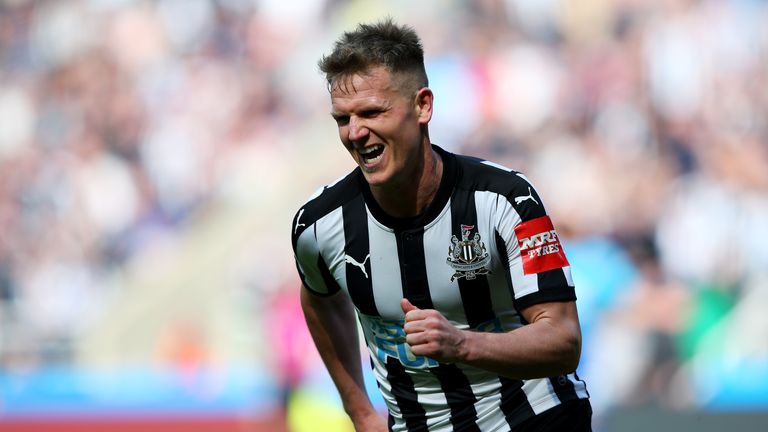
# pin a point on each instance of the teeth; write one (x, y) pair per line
(369, 150)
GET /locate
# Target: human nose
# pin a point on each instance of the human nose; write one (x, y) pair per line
(357, 130)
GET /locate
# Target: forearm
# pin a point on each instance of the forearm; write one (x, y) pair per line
(539, 349)
(550, 345)
(331, 322)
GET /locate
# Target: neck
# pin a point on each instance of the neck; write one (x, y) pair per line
(404, 200)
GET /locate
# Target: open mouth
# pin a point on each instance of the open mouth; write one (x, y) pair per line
(371, 154)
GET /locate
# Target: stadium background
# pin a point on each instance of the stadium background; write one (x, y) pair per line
(152, 154)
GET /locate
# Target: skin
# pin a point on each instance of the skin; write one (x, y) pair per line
(331, 322)
(549, 345)
(373, 109)
(370, 110)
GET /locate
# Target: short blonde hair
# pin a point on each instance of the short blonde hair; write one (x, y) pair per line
(395, 47)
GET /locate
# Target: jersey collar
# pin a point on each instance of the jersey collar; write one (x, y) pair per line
(444, 191)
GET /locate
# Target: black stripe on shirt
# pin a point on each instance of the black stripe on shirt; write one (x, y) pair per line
(514, 402)
(552, 284)
(566, 293)
(328, 200)
(459, 396)
(563, 387)
(501, 247)
(475, 293)
(552, 279)
(413, 268)
(406, 397)
(331, 286)
(357, 248)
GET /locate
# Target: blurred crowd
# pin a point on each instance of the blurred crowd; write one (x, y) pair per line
(125, 123)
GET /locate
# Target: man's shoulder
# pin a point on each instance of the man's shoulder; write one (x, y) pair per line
(337, 191)
(326, 199)
(482, 174)
(483, 165)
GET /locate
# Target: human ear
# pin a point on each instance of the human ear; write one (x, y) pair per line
(424, 103)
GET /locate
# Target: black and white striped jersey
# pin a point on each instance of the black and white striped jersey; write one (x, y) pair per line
(482, 251)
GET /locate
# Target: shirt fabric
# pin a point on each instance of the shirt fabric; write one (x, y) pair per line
(483, 250)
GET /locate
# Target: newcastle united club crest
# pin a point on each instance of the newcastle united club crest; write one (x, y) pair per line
(468, 257)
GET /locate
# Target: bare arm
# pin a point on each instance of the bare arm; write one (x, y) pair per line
(549, 345)
(331, 321)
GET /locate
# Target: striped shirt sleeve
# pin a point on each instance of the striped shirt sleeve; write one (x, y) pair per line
(537, 266)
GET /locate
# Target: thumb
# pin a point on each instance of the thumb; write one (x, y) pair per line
(406, 305)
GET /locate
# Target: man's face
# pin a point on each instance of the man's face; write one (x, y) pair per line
(380, 126)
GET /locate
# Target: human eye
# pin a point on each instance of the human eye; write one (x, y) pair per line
(370, 113)
(341, 119)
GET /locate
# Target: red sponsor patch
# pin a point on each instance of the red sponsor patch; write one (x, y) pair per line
(540, 246)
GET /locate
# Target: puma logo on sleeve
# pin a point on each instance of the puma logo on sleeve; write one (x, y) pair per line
(520, 199)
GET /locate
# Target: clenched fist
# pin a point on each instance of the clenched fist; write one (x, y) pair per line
(430, 334)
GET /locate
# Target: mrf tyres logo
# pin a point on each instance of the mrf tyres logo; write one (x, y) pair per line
(468, 257)
(540, 247)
